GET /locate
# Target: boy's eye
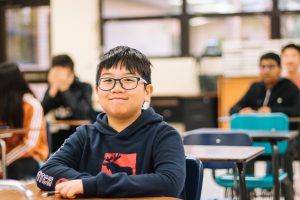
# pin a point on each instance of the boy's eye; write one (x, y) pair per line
(108, 80)
(129, 79)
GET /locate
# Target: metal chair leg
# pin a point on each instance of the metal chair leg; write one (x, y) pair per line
(288, 189)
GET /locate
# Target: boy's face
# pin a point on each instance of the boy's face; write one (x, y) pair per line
(290, 59)
(119, 102)
(269, 71)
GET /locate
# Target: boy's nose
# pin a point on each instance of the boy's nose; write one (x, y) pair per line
(118, 86)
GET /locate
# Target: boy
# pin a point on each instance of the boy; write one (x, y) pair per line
(67, 97)
(127, 152)
(290, 56)
(272, 93)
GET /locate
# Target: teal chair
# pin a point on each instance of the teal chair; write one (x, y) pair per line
(273, 121)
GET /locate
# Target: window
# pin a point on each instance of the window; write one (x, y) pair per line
(27, 33)
(134, 8)
(226, 28)
(290, 27)
(153, 37)
(228, 6)
(289, 4)
(165, 28)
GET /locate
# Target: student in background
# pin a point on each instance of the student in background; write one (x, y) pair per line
(128, 151)
(67, 97)
(20, 109)
(290, 57)
(272, 93)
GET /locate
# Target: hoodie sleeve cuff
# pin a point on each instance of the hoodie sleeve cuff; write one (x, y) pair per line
(90, 187)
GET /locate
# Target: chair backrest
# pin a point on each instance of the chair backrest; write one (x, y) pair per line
(49, 138)
(194, 179)
(212, 138)
(272, 121)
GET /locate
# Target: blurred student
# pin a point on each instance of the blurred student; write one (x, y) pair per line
(272, 93)
(20, 109)
(128, 151)
(290, 57)
(67, 97)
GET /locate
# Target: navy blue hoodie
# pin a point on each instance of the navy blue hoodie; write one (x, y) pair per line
(145, 159)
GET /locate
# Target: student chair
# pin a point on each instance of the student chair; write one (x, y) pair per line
(228, 139)
(194, 178)
(228, 180)
(273, 122)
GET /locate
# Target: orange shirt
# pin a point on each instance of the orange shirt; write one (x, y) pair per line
(34, 143)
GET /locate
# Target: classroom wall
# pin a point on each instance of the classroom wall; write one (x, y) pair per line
(175, 76)
(75, 31)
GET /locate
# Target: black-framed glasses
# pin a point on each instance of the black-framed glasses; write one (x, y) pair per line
(127, 83)
(270, 67)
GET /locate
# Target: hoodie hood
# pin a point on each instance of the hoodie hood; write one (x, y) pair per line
(147, 117)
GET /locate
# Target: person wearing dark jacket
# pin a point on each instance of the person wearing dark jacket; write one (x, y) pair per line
(272, 93)
(128, 151)
(67, 97)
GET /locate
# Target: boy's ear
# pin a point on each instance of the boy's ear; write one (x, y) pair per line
(148, 91)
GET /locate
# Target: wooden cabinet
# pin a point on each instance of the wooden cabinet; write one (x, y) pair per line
(230, 90)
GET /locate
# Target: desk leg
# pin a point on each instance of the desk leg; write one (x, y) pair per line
(243, 190)
(275, 170)
(3, 158)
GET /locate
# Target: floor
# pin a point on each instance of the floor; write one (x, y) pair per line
(211, 191)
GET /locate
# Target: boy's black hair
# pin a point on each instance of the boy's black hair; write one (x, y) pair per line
(132, 59)
(272, 56)
(291, 46)
(63, 60)
(13, 86)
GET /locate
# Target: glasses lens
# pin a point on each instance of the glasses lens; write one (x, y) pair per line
(129, 83)
(106, 83)
(270, 67)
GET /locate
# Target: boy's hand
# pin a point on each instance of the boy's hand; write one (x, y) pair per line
(53, 82)
(247, 110)
(70, 189)
(264, 109)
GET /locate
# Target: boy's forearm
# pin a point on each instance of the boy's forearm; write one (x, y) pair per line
(122, 185)
(47, 178)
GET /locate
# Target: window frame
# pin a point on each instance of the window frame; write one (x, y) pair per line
(184, 17)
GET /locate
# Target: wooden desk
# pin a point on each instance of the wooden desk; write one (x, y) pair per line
(294, 119)
(9, 195)
(70, 122)
(15, 131)
(260, 135)
(6, 133)
(56, 125)
(238, 154)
